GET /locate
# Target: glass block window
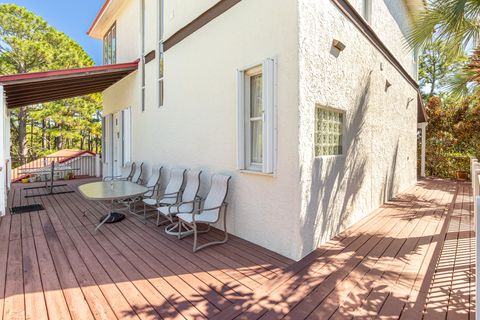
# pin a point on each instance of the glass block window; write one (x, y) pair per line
(328, 132)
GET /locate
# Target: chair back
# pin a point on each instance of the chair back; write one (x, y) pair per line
(126, 171)
(176, 181)
(138, 174)
(216, 197)
(193, 185)
(153, 182)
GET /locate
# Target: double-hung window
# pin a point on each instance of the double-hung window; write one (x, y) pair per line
(160, 52)
(256, 118)
(110, 46)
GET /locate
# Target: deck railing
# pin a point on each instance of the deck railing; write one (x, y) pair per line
(78, 166)
(475, 176)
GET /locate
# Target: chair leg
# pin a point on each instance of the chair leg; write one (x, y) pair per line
(195, 236)
(195, 248)
(179, 229)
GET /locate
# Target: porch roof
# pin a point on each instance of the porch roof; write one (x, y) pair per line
(38, 87)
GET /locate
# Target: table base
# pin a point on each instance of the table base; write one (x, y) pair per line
(172, 229)
(114, 217)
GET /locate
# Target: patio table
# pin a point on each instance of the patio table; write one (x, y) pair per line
(111, 192)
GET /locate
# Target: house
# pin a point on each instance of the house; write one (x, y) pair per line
(82, 159)
(312, 106)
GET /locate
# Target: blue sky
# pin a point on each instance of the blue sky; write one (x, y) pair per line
(73, 17)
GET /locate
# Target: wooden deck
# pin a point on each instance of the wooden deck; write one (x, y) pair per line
(411, 259)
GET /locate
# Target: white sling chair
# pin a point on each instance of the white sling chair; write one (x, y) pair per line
(186, 203)
(153, 185)
(172, 191)
(137, 176)
(126, 173)
(214, 207)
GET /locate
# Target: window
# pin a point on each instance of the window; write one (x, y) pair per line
(367, 10)
(110, 46)
(328, 132)
(160, 52)
(143, 53)
(256, 117)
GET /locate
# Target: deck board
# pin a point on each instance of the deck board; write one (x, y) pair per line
(411, 259)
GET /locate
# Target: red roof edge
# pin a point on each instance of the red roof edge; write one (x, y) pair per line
(63, 72)
(99, 14)
(73, 156)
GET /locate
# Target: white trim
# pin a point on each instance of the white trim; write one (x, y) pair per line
(241, 120)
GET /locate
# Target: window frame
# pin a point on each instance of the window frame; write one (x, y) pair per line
(343, 132)
(110, 45)
(142, 53)
(269, 124)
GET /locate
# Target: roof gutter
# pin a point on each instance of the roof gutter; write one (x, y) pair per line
(99, 16)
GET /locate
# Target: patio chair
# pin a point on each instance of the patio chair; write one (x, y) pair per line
(137, 176)
(214, 207)
(126, 173)
(153, 185)
(171, 193)
(186, 203)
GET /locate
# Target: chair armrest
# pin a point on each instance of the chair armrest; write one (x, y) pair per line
(195, 212)
(172, 193)
(179, 204)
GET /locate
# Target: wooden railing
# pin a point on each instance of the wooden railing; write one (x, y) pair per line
(475, 176)
(80, 166)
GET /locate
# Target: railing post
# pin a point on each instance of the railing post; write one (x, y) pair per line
(98, 169)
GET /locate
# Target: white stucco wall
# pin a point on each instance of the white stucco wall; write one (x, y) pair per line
(196, 127)
(391, 22)
(310, 199)
(380, 156)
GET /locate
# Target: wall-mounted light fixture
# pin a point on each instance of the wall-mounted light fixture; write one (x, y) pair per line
(337, 44)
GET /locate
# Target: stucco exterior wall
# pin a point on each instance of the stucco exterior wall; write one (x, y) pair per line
(197, 126)
(390, 20)
(380, 124)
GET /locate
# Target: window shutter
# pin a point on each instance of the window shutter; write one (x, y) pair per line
(269, 116)
(241, 120)
(126, 135)
(107, 147)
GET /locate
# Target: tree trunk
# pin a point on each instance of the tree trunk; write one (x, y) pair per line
(43, 135)
(22, 135)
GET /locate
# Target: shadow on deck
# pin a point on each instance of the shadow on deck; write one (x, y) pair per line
(413, 258)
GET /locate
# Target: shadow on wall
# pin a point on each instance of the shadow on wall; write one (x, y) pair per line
(335, 184)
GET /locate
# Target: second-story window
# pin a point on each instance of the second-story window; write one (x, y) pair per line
(143, 53)
(110, 46)
(160, 52)
(367, 10)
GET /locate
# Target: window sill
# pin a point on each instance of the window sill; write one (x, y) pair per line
(258, 173)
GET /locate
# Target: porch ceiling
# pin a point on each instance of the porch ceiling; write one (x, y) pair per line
(39, 87)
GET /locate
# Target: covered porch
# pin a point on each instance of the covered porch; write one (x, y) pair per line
(413, 258)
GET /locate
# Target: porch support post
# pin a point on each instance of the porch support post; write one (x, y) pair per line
(423, 127)
(4, 149)
(98, 166)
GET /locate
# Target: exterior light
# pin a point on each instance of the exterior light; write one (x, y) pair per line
(337, 44)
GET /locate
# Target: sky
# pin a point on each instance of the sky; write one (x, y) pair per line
(73, 17)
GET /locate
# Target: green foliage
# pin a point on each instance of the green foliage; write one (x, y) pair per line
(437, 69)
(453, 135)
(29, 44)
